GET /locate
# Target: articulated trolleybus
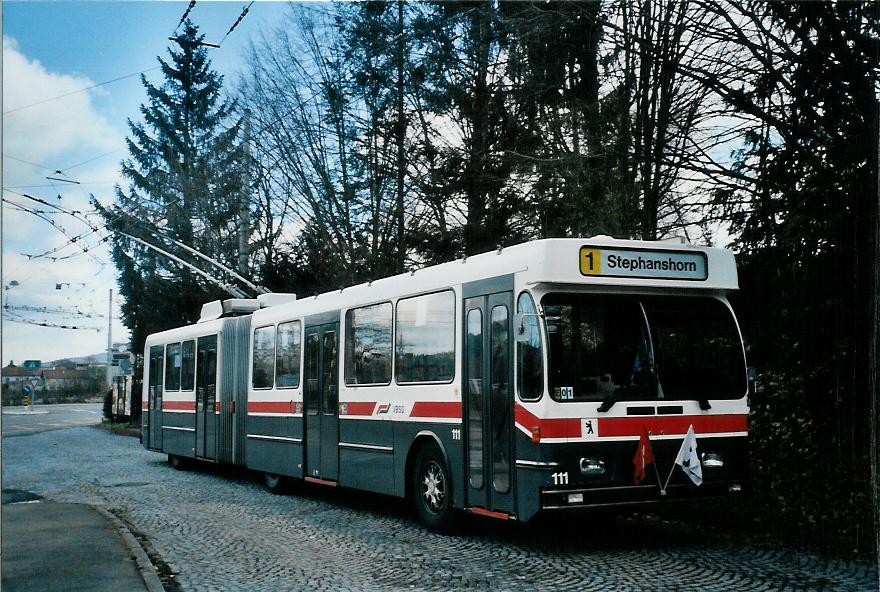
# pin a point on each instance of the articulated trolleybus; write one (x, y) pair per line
(537, 377)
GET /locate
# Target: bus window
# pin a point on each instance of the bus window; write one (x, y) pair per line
(188, 365)
(697, 348)
(499, 372)
(598, 347)
(474, 376)
(264, 357)
(328, 382)
(642, 348)
(172, 367)
(311, 372)
(368, 345)
(287, 355)
(529, 358)
(426, 338)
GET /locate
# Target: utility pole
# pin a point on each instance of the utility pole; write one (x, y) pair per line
(401, 137)
(109, 337)
(244, 212)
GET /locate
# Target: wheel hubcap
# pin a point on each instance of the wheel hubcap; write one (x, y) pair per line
(433, 487)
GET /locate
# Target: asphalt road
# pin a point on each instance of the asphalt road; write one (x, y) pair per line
(218, 530)
(19, 421)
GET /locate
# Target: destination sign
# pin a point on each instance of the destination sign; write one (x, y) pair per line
(634, 263)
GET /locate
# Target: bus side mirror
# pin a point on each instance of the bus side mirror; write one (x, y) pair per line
(752, 378)
(520, 333)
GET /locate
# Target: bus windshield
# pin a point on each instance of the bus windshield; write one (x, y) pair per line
(642, 348)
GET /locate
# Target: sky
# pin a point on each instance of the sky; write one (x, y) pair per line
(51, 52)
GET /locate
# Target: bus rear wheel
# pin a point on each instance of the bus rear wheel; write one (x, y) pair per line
(275, 483)
(178, 462)
(431, 489)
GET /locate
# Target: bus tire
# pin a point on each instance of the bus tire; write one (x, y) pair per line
(275, 483)
(431, 489)
(178, 462)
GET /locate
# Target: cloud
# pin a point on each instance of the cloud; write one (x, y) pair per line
(44, 132)
(59, 133)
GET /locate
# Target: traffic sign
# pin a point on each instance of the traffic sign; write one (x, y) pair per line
(28, 390)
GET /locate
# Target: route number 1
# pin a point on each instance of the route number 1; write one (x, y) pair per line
(591, 261)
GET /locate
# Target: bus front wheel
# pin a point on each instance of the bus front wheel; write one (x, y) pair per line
(432, 490)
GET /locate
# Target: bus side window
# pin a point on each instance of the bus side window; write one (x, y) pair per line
(368, 345)
(263, 371)
(529, 355)
(172, 367)
(188, 366)
(287, 355)
(425, 338)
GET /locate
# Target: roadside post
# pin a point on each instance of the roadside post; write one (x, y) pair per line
(28, 391)
(36, 382)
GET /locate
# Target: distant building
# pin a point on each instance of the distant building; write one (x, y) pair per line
(51, 385)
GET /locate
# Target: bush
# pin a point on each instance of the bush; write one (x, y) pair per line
(809, 487)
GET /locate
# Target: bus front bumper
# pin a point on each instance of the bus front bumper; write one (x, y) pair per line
(558, 499)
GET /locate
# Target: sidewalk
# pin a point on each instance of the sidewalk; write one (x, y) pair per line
(49, 546)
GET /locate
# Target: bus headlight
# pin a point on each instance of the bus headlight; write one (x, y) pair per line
(712, 460)
(592, 466)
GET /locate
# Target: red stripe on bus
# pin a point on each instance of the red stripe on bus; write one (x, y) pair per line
(185, 405)
(434, 409)
(320, 481)
(270, 407)
(550, 428)
(358, 408)
(679, 424)
(490, 513)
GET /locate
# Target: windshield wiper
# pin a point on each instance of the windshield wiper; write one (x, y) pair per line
(704, 404)
(607, 404)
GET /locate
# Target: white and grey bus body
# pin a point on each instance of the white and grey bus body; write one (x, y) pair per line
(506, 449)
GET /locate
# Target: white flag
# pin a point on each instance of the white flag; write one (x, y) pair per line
(688, 459)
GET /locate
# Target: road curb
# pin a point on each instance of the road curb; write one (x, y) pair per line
(145, 567)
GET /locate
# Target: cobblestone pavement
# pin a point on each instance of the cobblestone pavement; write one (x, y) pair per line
(219, 530)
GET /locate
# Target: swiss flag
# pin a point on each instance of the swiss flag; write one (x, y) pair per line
(644, 456)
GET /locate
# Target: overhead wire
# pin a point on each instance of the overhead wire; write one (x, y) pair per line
(56, 226)
(39, 166)
(51, 325)
(237, 21)
(73, 92)
(57, 310)
(94, 229)
(186, 12)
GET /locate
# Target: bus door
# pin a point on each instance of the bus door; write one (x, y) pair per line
(206, 395)
(322, 401)
(154, 392)
(489, 401)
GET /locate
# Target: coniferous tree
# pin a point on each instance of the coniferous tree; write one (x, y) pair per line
(187, 183)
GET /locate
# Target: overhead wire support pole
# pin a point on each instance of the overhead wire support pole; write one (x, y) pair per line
(181, 41)
(110, 339)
